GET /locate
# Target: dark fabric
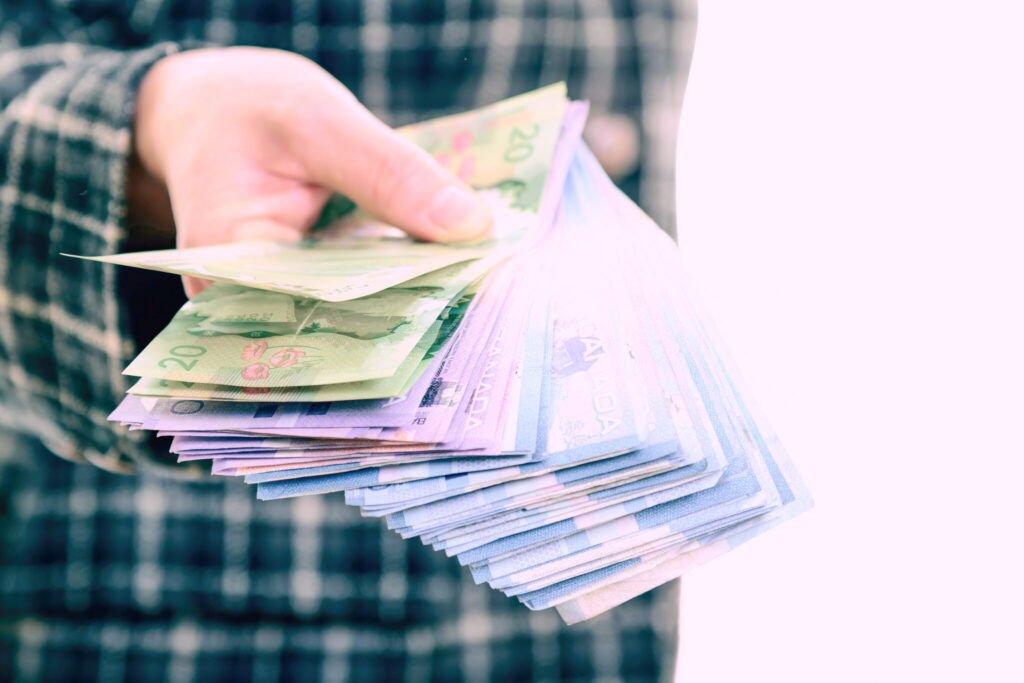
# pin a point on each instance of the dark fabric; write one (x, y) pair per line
(145, 579)
(154, 576)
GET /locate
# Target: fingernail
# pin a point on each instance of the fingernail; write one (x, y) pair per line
(458, 213)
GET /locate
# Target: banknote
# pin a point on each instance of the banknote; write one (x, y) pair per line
(663, 434)
(442, 497)
(432, 504)
(505, 150)
(522, 522)
(430, 422)
(242, 443)
(340, 460)
(549, 520)
(484, 314)
(333, 269)
(589, 570)
(402, 470)
(410, 381)
(623, 532)
(622, 567)
(590, 410)
(738, 464)
(333, 343)
(705, 375)
(546, 580)
(794, 497)
(169, 414)
(530, 493)
(566, 425)
(320, 479)
(575, 424)
(398, 386)
(507, 146)
(684, 430)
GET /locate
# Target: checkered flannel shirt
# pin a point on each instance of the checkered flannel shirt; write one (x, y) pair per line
(151, 577)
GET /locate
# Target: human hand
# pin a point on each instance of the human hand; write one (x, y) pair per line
(250, 143)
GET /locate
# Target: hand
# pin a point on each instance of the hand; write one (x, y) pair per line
(251, 142)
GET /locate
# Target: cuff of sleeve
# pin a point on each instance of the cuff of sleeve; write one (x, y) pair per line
(63, 331)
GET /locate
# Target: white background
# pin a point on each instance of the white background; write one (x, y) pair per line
(851, 202)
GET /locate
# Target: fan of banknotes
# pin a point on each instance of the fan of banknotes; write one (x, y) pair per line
(549, 407)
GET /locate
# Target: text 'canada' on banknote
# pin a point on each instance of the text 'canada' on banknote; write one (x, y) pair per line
(504, 150)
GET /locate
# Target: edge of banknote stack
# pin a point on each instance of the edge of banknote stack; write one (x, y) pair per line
(550, 408)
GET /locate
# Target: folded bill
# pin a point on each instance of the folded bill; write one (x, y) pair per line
(504, 150)
(331, 343)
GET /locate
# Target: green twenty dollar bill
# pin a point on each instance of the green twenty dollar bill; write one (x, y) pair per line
(387, 387)
(397, 385)
(506, 146)
(335, 268)
(221, 338)
(504, 150)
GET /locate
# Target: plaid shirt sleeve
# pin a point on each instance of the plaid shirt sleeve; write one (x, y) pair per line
(105, 577)
(65, 140)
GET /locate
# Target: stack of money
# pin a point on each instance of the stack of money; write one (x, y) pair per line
(549, 407)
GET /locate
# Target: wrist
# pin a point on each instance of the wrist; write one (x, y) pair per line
(150, 219)
(151, 125)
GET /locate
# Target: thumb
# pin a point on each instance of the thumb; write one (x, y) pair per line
(393, 179)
